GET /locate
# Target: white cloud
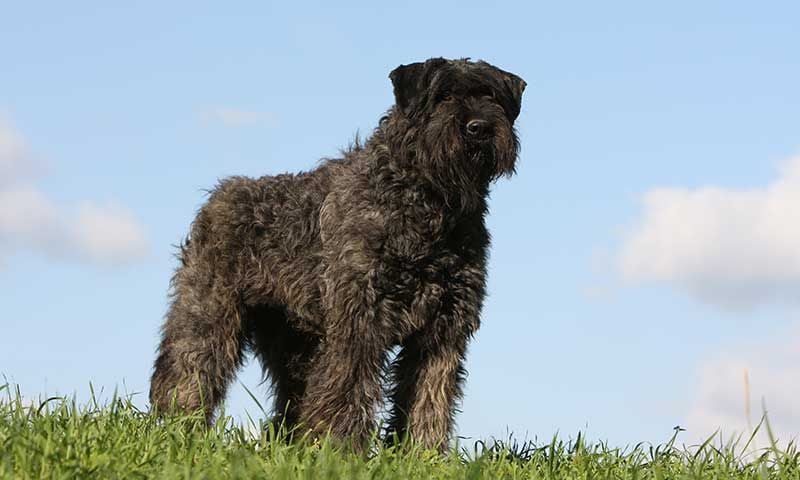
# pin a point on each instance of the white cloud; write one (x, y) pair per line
(16, 160)
(29, 220)
(235, 117)
(773, 368)
(25, 213)
(108, 235)
(732, 248)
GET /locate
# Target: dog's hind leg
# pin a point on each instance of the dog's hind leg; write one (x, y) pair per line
(284, 354)
(201, 348)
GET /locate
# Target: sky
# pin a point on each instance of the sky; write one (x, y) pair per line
(645, 258)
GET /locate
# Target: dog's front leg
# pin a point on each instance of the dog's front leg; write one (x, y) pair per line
(344, 382)
(428, 373)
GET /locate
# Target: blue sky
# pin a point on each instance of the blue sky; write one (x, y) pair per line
(644, 257)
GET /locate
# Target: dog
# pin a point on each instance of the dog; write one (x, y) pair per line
(322, 274)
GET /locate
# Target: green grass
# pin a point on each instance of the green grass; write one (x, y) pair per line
(58, 438)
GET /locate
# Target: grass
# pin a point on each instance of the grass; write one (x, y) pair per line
(58, 438)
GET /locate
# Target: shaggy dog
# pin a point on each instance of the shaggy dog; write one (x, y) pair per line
(321, 274)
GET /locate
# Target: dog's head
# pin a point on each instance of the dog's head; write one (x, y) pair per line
(462, 114)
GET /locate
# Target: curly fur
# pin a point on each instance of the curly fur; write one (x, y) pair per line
(320, 274)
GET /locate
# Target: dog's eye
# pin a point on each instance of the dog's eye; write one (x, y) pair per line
(445, 96)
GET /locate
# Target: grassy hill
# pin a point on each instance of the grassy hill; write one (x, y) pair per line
(58, 438)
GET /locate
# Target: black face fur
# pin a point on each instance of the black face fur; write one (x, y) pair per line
(460, 117)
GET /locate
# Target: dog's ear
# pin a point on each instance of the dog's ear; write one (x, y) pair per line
(410, 82)
(405, 80)
(514, 86)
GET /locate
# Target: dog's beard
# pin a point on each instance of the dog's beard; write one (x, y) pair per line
(465, 162)
(503, 153)
(459, 169)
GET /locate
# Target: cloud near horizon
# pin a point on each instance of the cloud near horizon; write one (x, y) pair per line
(106, 235)
(719, 404)
(735, 249)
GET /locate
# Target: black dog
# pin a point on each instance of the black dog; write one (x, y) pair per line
(322, 273)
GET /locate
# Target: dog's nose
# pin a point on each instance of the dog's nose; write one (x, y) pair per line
(477, 128)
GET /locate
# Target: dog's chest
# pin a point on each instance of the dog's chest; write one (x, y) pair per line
(413, 234)
(412, 292)
(419, 269)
